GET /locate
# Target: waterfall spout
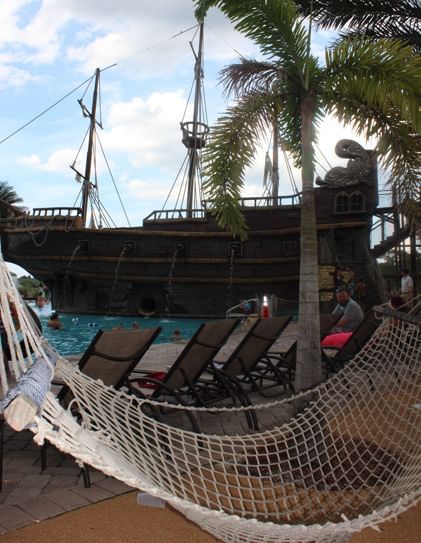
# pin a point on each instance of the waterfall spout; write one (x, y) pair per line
(125, 250)
(66, 289)
(179, 248)
(72, 256)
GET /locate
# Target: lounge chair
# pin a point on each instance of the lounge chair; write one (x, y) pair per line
(336, 358)
(110, 357)
(240, 367)
(180, 384)
(279, 367)
(278, 364)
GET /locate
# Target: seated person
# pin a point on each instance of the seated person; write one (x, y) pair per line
(352, 314)
(55, 322)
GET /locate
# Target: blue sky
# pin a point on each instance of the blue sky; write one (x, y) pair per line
(48, 47)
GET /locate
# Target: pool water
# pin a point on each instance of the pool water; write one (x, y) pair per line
(78, 330)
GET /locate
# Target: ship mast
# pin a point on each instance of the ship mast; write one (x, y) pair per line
(195, 132)
(86, 187)
(275, 163)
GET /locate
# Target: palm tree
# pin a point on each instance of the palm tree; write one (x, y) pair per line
(8, 200)
(374, 86)
(368, 18)
(376, 19)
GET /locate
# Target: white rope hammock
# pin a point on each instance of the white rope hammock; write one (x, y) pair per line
(350, 459)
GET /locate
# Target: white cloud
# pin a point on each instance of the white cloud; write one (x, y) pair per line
(104, 32)
(147, 129)
(9, 20)
(58, 161)
(11, 76)
(141, 189)
(30, 160)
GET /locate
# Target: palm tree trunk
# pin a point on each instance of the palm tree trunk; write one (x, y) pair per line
(308, 372)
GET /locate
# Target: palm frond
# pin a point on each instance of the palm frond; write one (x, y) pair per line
(383, 72)
(231, 148)
(8, 193)
(8, 200)
(377, 18)
(249, 76)
(376, 88)
(273, 25)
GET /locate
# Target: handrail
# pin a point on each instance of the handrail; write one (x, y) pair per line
(230, 313)
(175, 214)
(290, 200)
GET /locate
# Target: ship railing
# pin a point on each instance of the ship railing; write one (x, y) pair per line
(290, 200)
(41, 217)
(246, 202)
(166, 215)
(57, 211)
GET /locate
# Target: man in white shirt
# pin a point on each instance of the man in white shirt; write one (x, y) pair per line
(407, 286)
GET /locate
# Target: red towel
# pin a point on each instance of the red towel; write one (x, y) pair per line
(337, 340)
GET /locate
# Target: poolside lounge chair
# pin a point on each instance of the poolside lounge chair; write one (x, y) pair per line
(180, 384)
(336, 358)
(280, 366)
(240, 367)
(110, 357)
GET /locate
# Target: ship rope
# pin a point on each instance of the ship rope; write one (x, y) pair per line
(90, 79)
(267, 174)
(35, 233)
(329, 165)
(336, 459)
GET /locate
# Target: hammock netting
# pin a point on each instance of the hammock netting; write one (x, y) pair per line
(335, 460)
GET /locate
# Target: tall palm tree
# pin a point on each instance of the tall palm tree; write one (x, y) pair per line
(397, 19)
(374, 86)
(8, 200)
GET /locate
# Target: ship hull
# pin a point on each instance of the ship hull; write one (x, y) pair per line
(186, 267)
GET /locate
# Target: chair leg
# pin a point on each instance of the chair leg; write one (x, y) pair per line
(86, 476)
(44, 447)
(85, 469)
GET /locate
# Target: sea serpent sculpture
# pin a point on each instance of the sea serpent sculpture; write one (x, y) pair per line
(359, 168)
(350, 459)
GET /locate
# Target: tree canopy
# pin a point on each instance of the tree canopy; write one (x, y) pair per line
(8, 198)
(396, 19)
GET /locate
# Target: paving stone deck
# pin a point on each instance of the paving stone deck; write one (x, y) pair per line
(29, 495)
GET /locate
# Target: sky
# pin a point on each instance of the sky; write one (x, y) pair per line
(49, 47)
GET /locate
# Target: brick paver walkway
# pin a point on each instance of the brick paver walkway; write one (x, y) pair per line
(29, 495)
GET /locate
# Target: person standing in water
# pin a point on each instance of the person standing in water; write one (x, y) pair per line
(55, 322)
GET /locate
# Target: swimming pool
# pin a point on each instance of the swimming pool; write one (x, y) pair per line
(78, 330)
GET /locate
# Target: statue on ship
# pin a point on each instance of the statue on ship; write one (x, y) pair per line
(359, 168)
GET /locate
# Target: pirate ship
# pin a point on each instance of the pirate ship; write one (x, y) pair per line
(179, 262)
